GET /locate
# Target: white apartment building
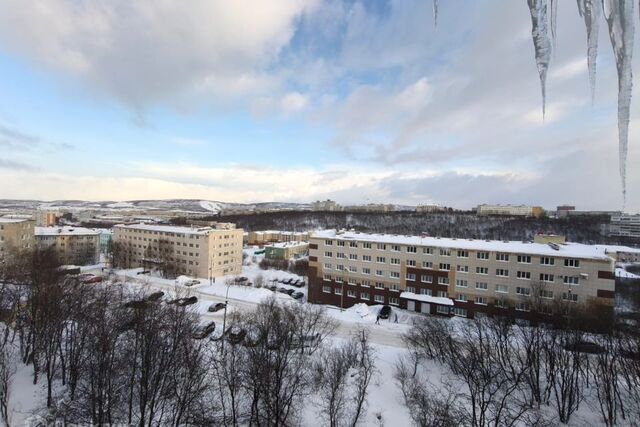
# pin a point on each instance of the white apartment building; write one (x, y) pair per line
(625, 225)
(16, 235)
(456, 276)
(72, 245)
(205, 252)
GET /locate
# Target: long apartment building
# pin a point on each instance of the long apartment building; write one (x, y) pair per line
(72, 245)
(510, 210)
(16, 234)
(205, 252)
(455, 276)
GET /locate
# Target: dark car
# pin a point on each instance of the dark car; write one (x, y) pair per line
(204, 331)
(187, 301)
(384, 312)
(272, 288)
(289, 291)
(155, 296)
(283, 290)
(216, 307)
(297, 295)
(235, 335)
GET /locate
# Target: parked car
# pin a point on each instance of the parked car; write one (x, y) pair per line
(306, 341)
(272, 288)
(204, 331)
(187, 301)
(192, 282)
(289, 291)
(283, 290)
(89, 278)
(155, 296)
(297, 295)
(384, 312)
(235, 334)
(216, 307)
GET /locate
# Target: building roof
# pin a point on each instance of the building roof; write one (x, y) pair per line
(426, 298)
(573, 250)
(201, 231)
(287, 245)
(9, 220)
(65, 231)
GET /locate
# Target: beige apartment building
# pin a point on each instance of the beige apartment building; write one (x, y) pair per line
(456, 276)
(204, 252)
(510, 210)
(16, 234)
(286, 250)
(276, 236)
(72, 245)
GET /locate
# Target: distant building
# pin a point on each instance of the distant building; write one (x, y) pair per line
(72, 245)
(430, 208)
(46, 218)
(549, 238)
(16, 234)
(371, 207)
(510, 210)
(286, 250)
(105, 241)
(275, 236)
(625, 226)
(563, 211)
(196, 251)
(327, 205)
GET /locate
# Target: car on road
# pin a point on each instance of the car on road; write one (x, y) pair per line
(290, 291)
(384, 312)
(89, 278)
(216, 307)
(297, 295)
(204, 331)
(192, 282)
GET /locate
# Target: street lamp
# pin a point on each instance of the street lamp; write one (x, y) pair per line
(224, 318)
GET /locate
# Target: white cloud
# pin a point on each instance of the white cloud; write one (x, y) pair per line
(293, 102)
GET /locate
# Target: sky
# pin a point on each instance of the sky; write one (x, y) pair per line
(299, 100)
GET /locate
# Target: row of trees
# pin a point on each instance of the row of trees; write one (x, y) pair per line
(495, 372)
(109, 355)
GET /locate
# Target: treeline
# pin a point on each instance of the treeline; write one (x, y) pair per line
(109, 355)
(495, 372)
(450, 224)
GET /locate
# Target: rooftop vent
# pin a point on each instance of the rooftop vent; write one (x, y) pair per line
(554, 246)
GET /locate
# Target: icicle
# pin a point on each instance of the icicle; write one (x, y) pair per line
(554, 14)
(619, 16)
(588, 10)
(541, 44)
(435, 13)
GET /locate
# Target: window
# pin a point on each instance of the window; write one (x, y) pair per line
(524, 259)
(327, 266)
(502, 257)
(340, 243)
(481, 300)
(442, 280)
(393, 301)
(445, 252)
(366, 271)
(353, 256)
(482, 255)
(366, 258)
(326, 289)
(545, 277)
(482, 270)
(353, 269)
(482, 286)
(571, 280)
(522, 306)
(353, 244)
(445, 266)
(366, 245)
(327, 277)
(442, 294)
(381, 260)
(394, 274)
(379, 285)
(545, 260)
(463, 254)
(379, 298)
(523, 291)
(328, 242)
(500, 303)
(411, 263)
(426, 278)
(366, 283)
(571, 262)
(338, 291)
(546, 294)
(412, 249)
(395, 248)
(524, 275)
(381, 246)
(411, 276)
(442, 309)
(427, 251)
(457, 311)
(341, 255)
(364, 295)
(394, 287)
(568, 296)
(340, 267)
(411, 289)
(351, 293)
(351, 281)
(461, 283)
(502, 289)
(427, 264)
(425, 292)
(461, 297)
(395, 261)
(328, 254)
(501, 272)
(379, 273)
(462, 268)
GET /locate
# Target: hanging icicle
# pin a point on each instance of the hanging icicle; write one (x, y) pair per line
(541, 43)
(435, 13)
(553, 20)
(619, 16)
(589, 10)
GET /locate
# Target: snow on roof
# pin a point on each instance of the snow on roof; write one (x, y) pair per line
(60, 231)
(287, 245)
(8, 220)
(574, 250)
(426, 298)
(615, 249)
(202, 231)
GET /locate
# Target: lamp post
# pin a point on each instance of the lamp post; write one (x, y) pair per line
(224, 318)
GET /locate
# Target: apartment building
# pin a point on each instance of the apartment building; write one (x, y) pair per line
(276, 236)
(625, 225)
(430, 208)
(510, 210)
(46, 218)
(455, 276)
(325, 205)
(72, 245)
(205, 252)
(16, 234)
(286, 250)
